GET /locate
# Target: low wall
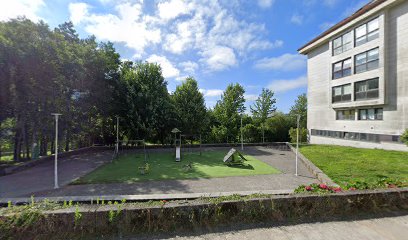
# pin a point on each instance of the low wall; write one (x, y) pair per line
(96, 220)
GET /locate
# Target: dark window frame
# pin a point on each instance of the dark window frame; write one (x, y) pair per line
(366, 63)
(352, 115)
(369, 93)
(343, 97)
(377, 116)
(343, 70)
(343, 44)
(367, 33)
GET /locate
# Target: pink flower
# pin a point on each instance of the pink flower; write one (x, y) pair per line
(308, 188)
(392, 186)
(337, 189)
(323, 186)
(352, 189)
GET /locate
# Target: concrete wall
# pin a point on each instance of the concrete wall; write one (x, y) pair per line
(393, 81)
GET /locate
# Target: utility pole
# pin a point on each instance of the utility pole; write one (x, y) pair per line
(297, 143)
(56, 115)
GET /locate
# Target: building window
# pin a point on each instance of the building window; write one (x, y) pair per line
(342, 43)
(367, 32)
(341, 93)
(366, 61)
(342, 68)
(356, 136)
(370, 114)
(345, 115)
(367, 89)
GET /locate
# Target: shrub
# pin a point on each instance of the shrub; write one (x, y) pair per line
(302, 135)
(404, 137)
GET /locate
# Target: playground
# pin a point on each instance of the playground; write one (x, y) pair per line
(130, 167)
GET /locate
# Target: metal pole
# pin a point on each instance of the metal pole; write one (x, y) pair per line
(263, 133)
(117, 135)
(297, 143)
(56, 151)
(242, 137)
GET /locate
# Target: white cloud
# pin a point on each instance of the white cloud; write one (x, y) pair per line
(265, 3)
(168, 69)
(189, 67)
(330, 3)
(285, 62)
(78, 11)
(129, 26)
(172, 9)
(297, 19)
(19, 8)
(219, 58)
(288, 84)
(211, 92)
(250, 97)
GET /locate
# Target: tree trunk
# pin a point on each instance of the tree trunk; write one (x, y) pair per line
(17, 146)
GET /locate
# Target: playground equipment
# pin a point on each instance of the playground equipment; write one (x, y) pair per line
(234, 157)
(133, 143)
(177, 143)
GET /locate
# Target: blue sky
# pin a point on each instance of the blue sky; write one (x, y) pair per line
(218, 42)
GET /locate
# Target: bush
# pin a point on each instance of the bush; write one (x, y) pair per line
(404, 137)
(302, 135)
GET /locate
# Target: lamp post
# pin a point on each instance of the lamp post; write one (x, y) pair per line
(297, 143)
(56, 115)
(117, 135)
(242, 137)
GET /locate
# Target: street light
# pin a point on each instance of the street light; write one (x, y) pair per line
(297, 143)
(56, 115)
(242, 137)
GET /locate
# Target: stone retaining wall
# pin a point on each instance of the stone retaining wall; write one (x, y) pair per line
(95, 220)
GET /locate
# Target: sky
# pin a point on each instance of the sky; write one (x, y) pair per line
(218, 42)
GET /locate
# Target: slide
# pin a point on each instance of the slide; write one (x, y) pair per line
(178, 156)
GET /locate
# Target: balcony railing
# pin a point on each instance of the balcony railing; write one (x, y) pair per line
(374, 93)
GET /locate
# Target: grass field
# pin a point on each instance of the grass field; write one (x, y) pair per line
(347, 164)
(164, 167)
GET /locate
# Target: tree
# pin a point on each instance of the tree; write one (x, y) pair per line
(190, 107)
(404, 137)
(264, 106)
(277, 127)
(229, 110)
(300, 107)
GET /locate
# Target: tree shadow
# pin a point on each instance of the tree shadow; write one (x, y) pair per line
(242, 166)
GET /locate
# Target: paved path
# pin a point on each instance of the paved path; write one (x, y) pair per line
(390, 228)
(41, 177)
(38, 180)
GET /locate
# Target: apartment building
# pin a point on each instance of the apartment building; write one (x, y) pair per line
(358, 78)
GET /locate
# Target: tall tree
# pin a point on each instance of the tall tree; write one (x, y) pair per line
(190, 107)
(230, 109)
(263, 107)
(300, 107)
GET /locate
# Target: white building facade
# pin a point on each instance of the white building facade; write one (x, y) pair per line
(358, 79)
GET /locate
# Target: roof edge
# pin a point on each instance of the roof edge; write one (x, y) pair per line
(363, 10)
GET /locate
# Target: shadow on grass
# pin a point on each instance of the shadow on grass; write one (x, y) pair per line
(242, 166)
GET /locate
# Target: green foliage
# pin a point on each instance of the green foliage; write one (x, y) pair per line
(264, 106)
(382, 182)
(300, 107)
(277, 128)
(252, 133)
(317, 188)
(77, 215)
(302, 135)
(404, 137)
(190, 107)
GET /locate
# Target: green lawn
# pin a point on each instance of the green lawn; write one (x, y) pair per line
(347, 164)
(163, 166)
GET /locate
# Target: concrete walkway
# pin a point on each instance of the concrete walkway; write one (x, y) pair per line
(41, 177)
(38, 180)
(390, 228)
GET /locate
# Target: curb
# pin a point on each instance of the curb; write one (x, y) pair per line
(319, 174)
(142, 197)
